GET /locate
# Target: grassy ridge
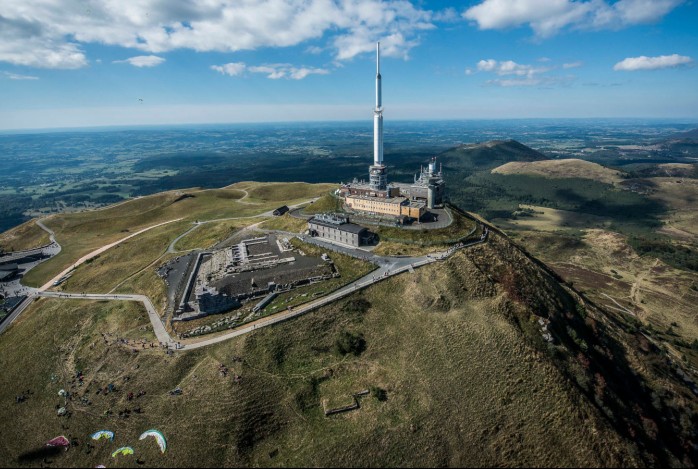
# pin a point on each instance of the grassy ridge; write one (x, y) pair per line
(462, 385)
(328, 203)
(81, 233)
(25, 236)
(112, 267)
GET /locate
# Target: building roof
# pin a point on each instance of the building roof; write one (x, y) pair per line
(346, 227)
(10, 267)
(386, 200)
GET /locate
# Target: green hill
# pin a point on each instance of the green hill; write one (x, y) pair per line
(453, 357)
(488, 155)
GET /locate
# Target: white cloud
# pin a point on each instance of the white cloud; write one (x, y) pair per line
(517, 74)
(276, 71)
(632, 64)
(142, 61)
(572, 65)
(50, 33)
(509, 67)
(548, 17)
(15, 76)
(233, 69)
(273, 71)
(26, 42)
(539, 81)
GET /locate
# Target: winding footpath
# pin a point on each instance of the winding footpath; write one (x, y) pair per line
(268, 214)
(387, 267)
(34, 293)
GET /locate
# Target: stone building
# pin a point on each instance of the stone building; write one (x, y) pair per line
(338, 229)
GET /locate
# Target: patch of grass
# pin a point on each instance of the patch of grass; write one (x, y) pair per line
(328, 203)
(122, 261)
(284, 191)
(676, 255)
(209, 234)
(350, 343)
(285, 223)
(389, 248)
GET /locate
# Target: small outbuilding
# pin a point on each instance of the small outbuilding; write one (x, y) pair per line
(280, 211)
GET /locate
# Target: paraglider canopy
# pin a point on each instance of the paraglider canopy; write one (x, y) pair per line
(159, 438)
(106, 434)
(123, 450)
(58, 441)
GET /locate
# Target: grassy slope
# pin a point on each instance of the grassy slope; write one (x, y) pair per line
(25, 236)
(114, 266)
(463, 385)
(565, 168)
(326, 203)
(207, 235)
(286, 223)
(83, 232)
(603, 265)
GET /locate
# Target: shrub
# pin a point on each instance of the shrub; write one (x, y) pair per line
(379, 393)
(348, 342)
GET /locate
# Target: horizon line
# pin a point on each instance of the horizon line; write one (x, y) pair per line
(115, 127)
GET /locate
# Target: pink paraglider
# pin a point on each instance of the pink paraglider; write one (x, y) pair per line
(58, 441)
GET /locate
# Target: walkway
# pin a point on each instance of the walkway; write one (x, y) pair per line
(268, 214)
(96, 252)
(387, 267)
(34, 292)
(158, 327)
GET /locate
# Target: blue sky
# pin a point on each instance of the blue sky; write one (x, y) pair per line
(66, 63)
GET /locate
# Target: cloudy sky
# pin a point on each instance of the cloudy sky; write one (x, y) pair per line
(66, 63)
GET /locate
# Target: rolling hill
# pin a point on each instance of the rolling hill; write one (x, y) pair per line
(454, 357)
(488, 155)
(565, 168)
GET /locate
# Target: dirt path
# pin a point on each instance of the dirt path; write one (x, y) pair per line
(636, 287)
(96, 252)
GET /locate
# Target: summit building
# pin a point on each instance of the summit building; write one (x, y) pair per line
(404, 202)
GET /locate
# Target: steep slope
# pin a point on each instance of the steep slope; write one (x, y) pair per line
(565, 168)
(488, 155)
(453, 354)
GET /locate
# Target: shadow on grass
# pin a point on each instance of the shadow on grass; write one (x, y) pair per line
(38, 454)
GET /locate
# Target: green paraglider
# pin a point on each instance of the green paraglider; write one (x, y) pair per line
(124, 450)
